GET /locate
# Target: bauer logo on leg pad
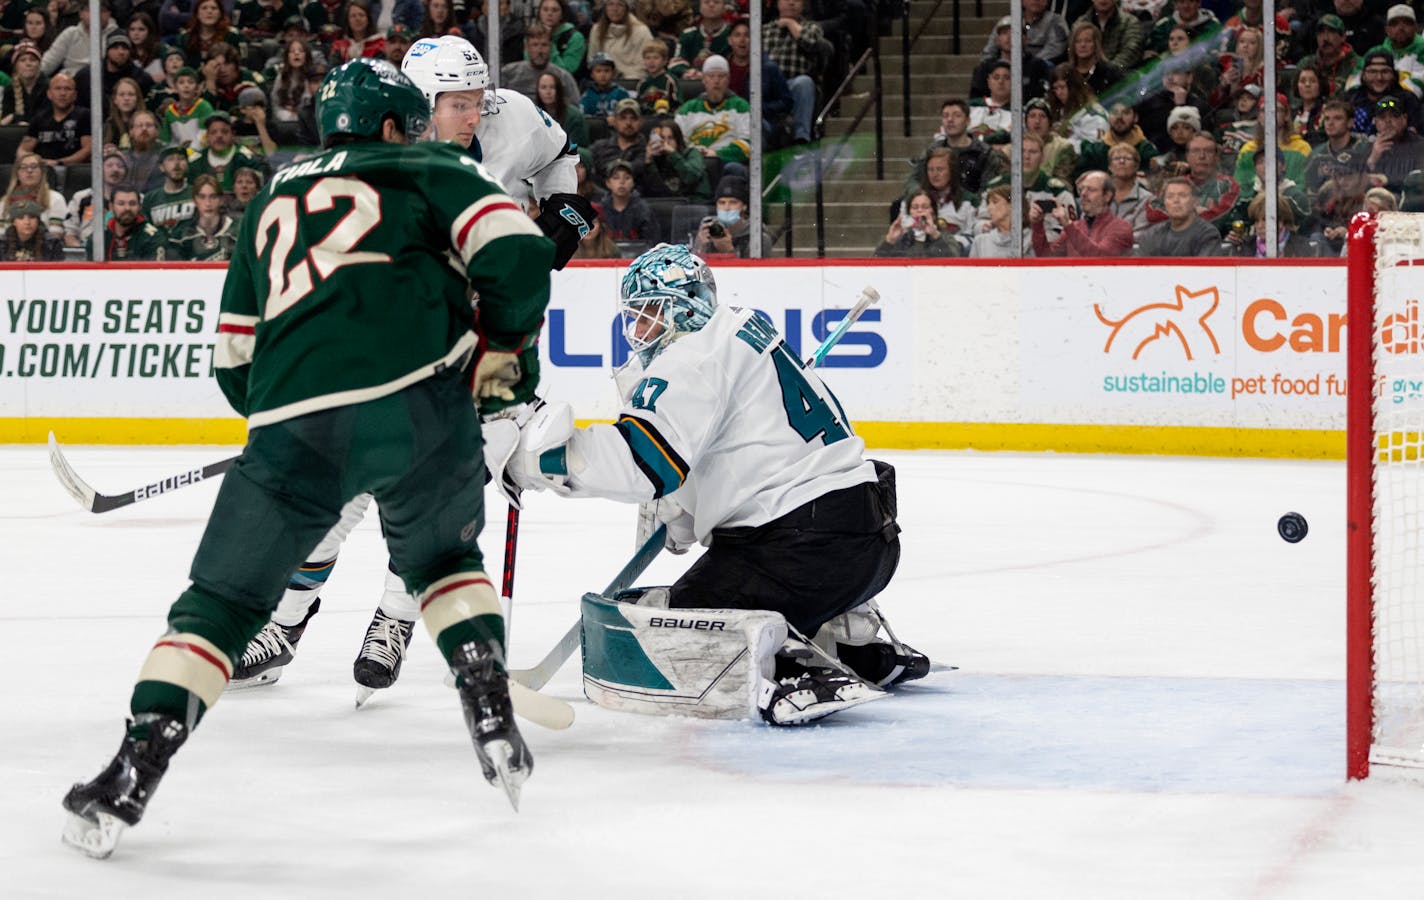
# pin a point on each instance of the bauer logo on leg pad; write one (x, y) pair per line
(708, 663)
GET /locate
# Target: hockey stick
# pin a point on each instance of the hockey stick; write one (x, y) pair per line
(511, 547)
(538, 676)
(868, 296)
(96, 502)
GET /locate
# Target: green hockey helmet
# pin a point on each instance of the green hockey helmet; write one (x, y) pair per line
(355, 97)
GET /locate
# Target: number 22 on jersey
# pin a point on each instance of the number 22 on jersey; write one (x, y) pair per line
(285, 215)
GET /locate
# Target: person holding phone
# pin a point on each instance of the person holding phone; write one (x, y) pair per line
(917, 232)
(1096, 232)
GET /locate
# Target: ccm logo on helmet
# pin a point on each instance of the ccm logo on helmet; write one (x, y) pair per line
(694, 624)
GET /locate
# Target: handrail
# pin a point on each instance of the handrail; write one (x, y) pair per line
(818, 130)
(907, 44)
(786, 226)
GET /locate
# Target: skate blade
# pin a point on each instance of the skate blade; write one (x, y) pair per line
(499, 754)
(96, 839)
(363, 694)
(818, 711)
(268, 677)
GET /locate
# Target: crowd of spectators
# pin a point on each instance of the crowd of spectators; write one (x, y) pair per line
(203, 100)
(1143, 131)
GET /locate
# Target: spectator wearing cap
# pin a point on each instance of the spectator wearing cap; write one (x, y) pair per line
(718, 123)
(625, 214)
(1123, 39)
(671, 168)
(990, 117)
(523, 75)
(28, 182)
(1237, 126)
(59, 133)
(127, 235)
(1059, 156)
(79, 215)
(1378, 80)
(25, 239)
(1364, 27)
(1215, 193)
(800, 49)
(1396, 150)
(170, 60)
(706, 37)
(1036, 73)
(603, 93)
(359, 37)
(250, 121)
(1403, 43)
(262, 20)
(398, 41)
(1340, 146)
(25, 93)
(70, 50)
(118, 63)
(732, 198)
(223, 155)
(1334, 58)
(1183, 124)
(1177, 91)
(626, 142)
(1045, 34)
(180, 121)
(171, 202)
(620, 35)
(1202, 25)
(1089, 230)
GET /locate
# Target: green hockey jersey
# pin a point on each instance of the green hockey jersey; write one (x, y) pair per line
(351, 278)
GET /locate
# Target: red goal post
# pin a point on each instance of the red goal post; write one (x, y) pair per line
(1385, 494)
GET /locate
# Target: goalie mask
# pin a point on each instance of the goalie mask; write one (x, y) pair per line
(448, 63)
(666, 293)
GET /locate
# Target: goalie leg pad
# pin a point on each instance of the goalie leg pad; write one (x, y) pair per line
(707, 663)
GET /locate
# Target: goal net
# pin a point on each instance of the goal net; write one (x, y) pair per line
(1386, 493)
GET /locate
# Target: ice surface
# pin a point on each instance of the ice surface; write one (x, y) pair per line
(1150, 704)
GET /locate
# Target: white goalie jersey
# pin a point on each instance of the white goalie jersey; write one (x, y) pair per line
(525, 149)
(730, 423)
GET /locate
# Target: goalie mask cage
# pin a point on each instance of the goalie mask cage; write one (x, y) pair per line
(1385, 496)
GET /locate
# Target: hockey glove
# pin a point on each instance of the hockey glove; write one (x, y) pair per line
(536, 461)
(666, 511)
(505, 378)
(565, 219)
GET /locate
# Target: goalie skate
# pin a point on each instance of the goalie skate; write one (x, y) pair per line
(802, 699)
(489, 715)
(268, 653)
(379, 663)
(101, 810)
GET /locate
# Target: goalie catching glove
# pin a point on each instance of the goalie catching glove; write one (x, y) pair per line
(531, 454)
(565, 219)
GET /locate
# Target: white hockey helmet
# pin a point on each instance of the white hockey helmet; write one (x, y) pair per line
(447, 63)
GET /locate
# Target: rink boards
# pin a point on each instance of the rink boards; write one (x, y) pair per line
(1180, 358)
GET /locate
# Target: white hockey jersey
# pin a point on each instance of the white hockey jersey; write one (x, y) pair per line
(525, 149)
(730, 423)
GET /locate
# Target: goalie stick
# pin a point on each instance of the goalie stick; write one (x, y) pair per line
(539, 675)
(96, 502)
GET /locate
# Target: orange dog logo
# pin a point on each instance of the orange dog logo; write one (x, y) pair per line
(1183, 321)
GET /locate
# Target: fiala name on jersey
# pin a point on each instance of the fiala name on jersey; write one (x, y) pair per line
(317, 166)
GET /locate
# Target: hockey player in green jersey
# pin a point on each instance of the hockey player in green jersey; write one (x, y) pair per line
(346, 337)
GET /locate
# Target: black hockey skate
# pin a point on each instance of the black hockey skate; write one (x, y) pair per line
(379, 663)
(484, 694)
(267, 654)
(100, 810)
(815, 693)
(883, 663)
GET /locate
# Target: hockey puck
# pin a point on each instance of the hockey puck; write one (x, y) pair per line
(1292, 528)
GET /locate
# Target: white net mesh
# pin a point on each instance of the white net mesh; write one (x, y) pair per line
(1398, 614)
